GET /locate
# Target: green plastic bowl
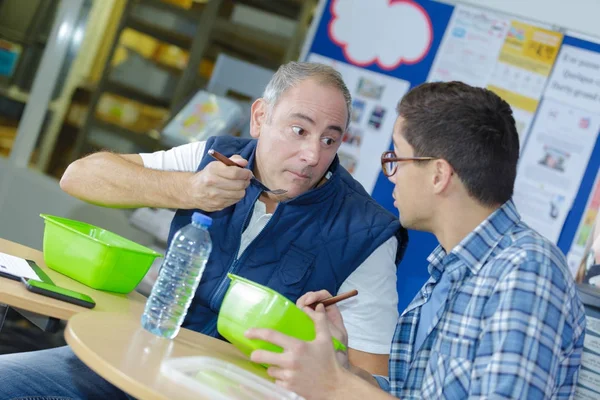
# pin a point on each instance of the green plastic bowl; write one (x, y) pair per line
(94, 256)
(250, 305)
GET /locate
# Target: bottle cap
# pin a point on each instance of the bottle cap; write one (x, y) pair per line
(201, 219)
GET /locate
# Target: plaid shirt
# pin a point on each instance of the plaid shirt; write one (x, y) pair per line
(512, 325)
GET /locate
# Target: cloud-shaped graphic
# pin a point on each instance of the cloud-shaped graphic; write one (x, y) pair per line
(386, 32)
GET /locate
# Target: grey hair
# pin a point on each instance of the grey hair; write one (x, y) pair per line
(291, 74)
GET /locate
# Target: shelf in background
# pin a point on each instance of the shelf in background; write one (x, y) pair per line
(166, 67)
(141, 139)
(239, 37)
(192, 14)
(249, 40)
(203, 31)
(160, 33)
(286, 8)
(136, 94)
(16, 94)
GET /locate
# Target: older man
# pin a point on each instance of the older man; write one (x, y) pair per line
(326, 232)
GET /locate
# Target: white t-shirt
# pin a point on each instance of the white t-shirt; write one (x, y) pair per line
(370, 318)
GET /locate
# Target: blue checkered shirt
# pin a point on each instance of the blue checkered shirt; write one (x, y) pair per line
(512, 326)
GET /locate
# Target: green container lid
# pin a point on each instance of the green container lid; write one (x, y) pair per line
(94, 256)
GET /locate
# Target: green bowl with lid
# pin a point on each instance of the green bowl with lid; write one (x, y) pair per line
(248, 304)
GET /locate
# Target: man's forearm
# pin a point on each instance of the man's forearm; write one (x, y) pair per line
(113, 181)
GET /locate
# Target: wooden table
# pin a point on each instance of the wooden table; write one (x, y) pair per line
(116, 347)
(14, 294)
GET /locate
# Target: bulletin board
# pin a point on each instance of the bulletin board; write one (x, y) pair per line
(408, 67)
(531, 65)
(577, 83)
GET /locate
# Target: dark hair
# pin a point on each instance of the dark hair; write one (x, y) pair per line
(471, 128)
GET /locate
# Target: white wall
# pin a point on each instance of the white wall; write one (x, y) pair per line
(25, 194)
(582, 16)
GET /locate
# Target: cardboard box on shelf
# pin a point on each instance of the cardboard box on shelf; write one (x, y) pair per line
(129, 114)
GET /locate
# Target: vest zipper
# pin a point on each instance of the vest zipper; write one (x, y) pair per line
(209, 329)
(233, 267)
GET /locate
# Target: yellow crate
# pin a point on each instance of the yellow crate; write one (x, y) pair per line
(171, 56)
(141, 43)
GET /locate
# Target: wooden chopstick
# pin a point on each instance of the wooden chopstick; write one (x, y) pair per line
(334, 299)
(223, 159)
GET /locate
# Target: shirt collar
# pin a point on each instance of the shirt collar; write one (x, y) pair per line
(476, 247)
(436, 262)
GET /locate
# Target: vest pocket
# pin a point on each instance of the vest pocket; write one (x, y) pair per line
(293, 273)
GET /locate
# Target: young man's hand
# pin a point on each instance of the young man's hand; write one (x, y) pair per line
(334, 317)
(310, 369)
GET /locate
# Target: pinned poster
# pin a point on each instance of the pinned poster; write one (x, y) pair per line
(541, 207)
(523, 68)
(553, 164)
(575, 81)
(374, 97)
(510, 57)
(584, 230)
(576, 78)
(470, 48)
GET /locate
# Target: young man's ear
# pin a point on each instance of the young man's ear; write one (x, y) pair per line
(442, 175)
(258, 117)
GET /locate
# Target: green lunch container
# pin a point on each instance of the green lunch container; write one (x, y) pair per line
(94, 256)
(250, 305)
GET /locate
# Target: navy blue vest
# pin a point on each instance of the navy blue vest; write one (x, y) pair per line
(312, 242)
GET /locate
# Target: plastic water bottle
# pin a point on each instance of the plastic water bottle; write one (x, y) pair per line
(178, 279)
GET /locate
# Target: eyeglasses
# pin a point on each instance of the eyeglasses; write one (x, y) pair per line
(389, 162)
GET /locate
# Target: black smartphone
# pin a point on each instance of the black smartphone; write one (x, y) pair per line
(59, 293)
(40, 273)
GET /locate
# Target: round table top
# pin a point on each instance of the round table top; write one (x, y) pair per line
(116, 347)
(14, 293)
